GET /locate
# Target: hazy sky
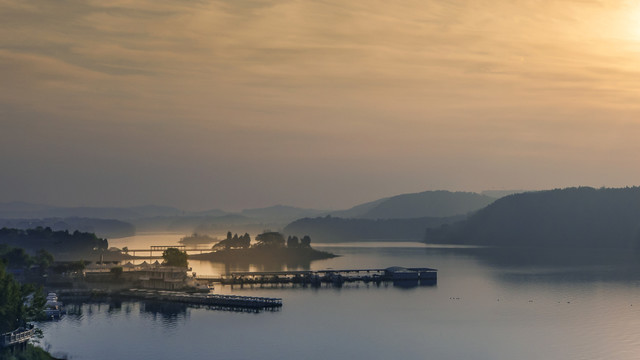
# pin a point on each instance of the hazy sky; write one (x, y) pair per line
(324, 104)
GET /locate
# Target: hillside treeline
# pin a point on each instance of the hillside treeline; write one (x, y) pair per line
(55, 242)
(573, 217)
(334, 229)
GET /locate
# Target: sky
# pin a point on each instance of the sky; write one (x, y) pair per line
(319, 104)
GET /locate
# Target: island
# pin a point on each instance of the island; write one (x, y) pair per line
(269, 247)
(197, 239)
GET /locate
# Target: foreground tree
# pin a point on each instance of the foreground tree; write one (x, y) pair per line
(18, 303)
(175, 257)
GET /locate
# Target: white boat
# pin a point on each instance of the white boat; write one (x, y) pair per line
(53, 308)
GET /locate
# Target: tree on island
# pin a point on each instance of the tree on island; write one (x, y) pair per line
(305, 242)
(175, 257)
(270, 239)
(234, 242)
(293, 242)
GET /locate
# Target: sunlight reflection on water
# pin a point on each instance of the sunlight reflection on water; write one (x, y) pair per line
(488, 304)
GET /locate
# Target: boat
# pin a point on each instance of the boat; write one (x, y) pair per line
(53, 308)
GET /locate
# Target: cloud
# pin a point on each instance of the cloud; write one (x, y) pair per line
(411, 83)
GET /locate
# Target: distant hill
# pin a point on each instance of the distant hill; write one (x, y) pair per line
(62, 244)
(101, 227)
(501, 193)
(334, 229)
(573, 217)
(21, 210)
(358, 211)
(425, 204)
(280, 212)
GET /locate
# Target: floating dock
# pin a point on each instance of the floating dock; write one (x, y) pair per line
(317, 277)
(214, 300)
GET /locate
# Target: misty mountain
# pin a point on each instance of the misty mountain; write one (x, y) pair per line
(334, 229)
(15, 210)
(281, 213)
(101, 227)
(573, 217)
(358, 211)
(501, 193)
(425, 204)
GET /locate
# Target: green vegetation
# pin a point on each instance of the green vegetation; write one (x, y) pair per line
(55, 242)
(234, 242)
(293, 242)
(573, 217)
(424, 204)
(334, 229)
(101, 227)
(18, 303)
(17, 258)
(269, 240)
(30, 353)
(69, 266)
(196, 238)
(269, 248)
(175, 257)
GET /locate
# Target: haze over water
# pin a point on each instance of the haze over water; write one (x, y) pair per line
(488, 304)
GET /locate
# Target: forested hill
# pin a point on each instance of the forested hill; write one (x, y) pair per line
(572, 217)
(55, 242)
(425, 204)
(334, 229)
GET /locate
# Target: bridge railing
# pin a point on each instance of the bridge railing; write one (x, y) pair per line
(17, 336)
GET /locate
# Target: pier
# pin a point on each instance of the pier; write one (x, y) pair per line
(317, 277)
(213, 300)
(158, 249)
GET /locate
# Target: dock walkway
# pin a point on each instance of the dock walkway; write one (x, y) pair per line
(230, 301)
(324, 276)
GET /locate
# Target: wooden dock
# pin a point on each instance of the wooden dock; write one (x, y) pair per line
(317, 277)
(213, 300)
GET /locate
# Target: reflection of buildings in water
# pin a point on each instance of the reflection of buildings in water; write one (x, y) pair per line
(168, 312)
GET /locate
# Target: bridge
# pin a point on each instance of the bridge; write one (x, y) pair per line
(17, 337)
(159, 249)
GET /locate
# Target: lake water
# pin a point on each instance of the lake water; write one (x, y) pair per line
(487, 304)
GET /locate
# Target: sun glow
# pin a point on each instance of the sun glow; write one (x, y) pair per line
(633, 22)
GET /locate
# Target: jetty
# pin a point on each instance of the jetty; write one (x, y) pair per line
(212, 300)
(318, 277)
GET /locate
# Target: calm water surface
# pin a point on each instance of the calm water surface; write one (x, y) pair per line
(487, 304)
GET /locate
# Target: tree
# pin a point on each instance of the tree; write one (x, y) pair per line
(116, 271)
(44, 259)
(293, 242)
(175, 257)
(15, 307)
(305, 242)
(270, 239)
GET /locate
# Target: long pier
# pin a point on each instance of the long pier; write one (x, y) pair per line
(158, 249)
(317, 277)
(226, 301)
